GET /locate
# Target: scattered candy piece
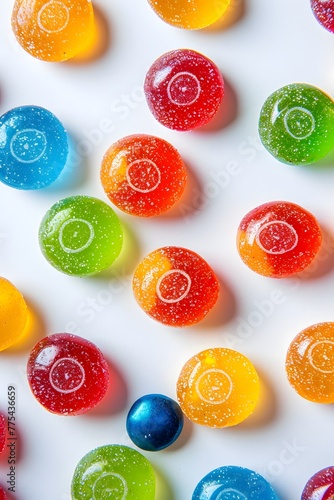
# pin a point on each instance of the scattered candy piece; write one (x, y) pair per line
(310, 363)
(297, 124)
(324, 13)
(190, 14)
(3, 495)
(183, 89)
(67, 374)
(34, 147)
(278, 239)
(320, 486)
(81, 236)
(233, 483)
(218, 388)
(175, 286)
(13, 314)
(113, 472)
(2, 432)
(143, 175)
(154, 422)
(54, 30)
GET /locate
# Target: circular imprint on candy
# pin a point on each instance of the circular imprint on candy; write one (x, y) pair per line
(323, 355)
(172, 278)
(149, 176)
(53, 17)
(84, 236)
(67, 375)
(110, 485)
(28, 145)
(183, 89)
(210, 391)
(277, 237)
(229, 493)
(299, 122)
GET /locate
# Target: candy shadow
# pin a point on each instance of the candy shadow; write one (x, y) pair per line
(235, 12)
(101, 44)
(163, 489)
(184, 437)
(226, 114)
(116, 398)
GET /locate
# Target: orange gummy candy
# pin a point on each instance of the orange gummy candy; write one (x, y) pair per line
(13, 314)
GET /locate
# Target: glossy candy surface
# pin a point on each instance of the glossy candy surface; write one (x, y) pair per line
(67, 374)
(3, 495)
(154, 422)
(2, 432)
(297, 124)
(324, 13)
(310, 363)
(33, 147)
(143, 175)
(13, 314)
(80, 236)
(190, 14)
(183, 89)
(113, 472)
(218, 388)
(53, 30)
(175, 286)
(320, 486)
(233, 483)
(278, 239)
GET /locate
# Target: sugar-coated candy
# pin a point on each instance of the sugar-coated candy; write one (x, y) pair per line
(324, 13)
(143, 175)
(190, 14)
(218, 387)
(233, 483)
(113, 472)
(2, 432)
(13, 314)
(53, 30)
(278, 239)
(310, 363)
(183, 89)
(320, 486)
(67, 374)
(297, 124)
(154, 422)
(175, 286)
(3, 495)
(80, 235)
(33, 147)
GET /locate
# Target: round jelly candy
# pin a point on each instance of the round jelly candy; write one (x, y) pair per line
(175, 286)
(190, 14)
(218, 387)
(67, 374)
(324, 13)
(113, 472)
(34, 147)
(183, 89)
(320, 486)
(80, 235)
(53, 30)
(2, 432)
(3, 495)
(13, 314)
(278, 239)
(154, 422)
(233, 483)
(297, 124)
(143, 175)
(310, 363)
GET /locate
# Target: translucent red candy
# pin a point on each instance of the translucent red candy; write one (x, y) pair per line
(278, 239)
(320, 486)
(175, 286)
(2, 432)
(143, 175)
(183, 89)
(3, 495)
(67, 374)
(324, 13)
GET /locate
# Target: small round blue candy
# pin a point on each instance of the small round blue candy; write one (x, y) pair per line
(33, 147)
(233, 483)
(154, 422)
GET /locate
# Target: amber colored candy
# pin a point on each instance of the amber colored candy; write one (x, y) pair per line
(218, 387)
(310, 363)
(13, 314)
(54, 30)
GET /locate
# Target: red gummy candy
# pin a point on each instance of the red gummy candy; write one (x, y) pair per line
(320, 486)
(324, 13)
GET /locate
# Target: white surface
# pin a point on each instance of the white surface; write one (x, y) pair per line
(276, 43)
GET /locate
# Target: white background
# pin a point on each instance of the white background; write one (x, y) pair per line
(288, 439)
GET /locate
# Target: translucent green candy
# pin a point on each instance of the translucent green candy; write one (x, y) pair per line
(297, 124)
(113, 472)
(80, 236)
